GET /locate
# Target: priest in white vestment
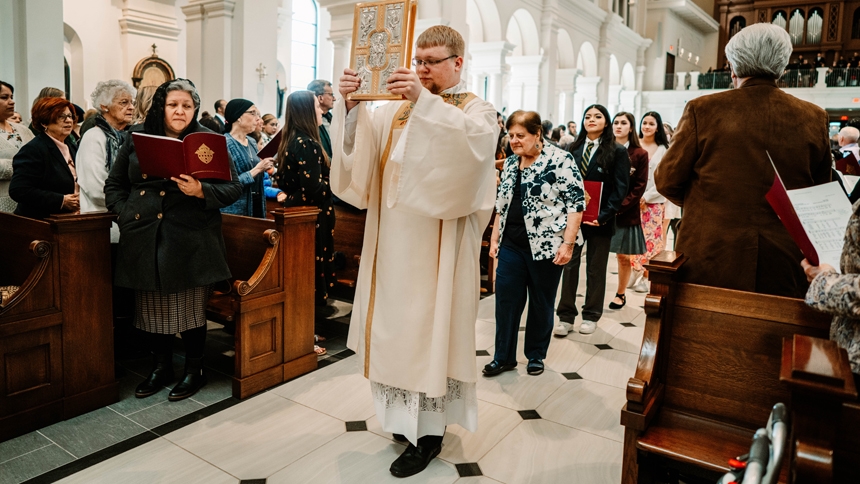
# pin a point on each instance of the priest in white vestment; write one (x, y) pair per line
(424, 170)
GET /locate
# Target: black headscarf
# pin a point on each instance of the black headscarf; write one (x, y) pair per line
(234, 110)
(154, 122)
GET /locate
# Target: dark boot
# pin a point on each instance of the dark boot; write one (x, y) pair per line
(416, 458)
(161, 375)
(193, 381)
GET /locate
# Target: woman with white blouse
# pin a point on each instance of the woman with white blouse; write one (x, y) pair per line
(12, 137)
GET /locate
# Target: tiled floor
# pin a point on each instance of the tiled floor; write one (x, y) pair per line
(561, 426)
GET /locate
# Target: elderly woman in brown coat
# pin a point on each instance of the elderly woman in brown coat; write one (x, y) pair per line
(718, 170)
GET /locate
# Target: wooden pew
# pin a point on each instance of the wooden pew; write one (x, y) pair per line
(707, 375)
(348, 239)
(825, 412)
(56, 328)
(271, 297)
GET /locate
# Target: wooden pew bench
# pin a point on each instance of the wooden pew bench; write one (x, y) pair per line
(707, 375)
(825, 412)
(271, 297)
(56, 323)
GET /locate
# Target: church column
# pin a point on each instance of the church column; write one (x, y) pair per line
(694, 80)
(681, 83)
(489, 59)
(603, 54)
(586, 95)
(254, 64)
(284, 54)
(31, 33)
(566, 84)
(209, 36)
(547, 101)
(525, 82)
(342, 51)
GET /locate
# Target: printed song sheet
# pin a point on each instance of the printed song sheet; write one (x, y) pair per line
(823, 211)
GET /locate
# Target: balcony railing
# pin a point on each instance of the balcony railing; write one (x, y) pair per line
(715, 80)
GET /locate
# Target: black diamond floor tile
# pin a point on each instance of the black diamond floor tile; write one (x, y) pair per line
(603, 347)
(356, 426)
(529, 414)
(628, 325)
(482, 353)
(572, 376)
(469, 469)
(252, 481)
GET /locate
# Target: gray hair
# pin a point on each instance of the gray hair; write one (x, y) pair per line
(106, 91)
(318, 86)
(760, 50)
(850, 133)
(184, 85)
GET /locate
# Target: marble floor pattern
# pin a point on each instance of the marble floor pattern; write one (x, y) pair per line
(561, 426)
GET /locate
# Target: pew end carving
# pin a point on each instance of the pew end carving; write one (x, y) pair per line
(707, 375)
(56, 334)
(271, 297)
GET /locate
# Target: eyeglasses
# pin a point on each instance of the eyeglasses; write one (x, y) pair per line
(253, 113)
(125, 103)
(64, 117)
(430, 63)
(329, 93)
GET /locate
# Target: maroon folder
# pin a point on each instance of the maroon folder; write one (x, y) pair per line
(848, 165)
(201, 155)
(777, 197)
(593, 194)
(271, 148)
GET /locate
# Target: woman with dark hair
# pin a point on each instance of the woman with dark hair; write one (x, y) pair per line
(44, 179)
(12, 137)
(303, 174)
(242, 116)
(628, 239)
(171, 250)
(599, 159)
(539, 208)
(655, 142)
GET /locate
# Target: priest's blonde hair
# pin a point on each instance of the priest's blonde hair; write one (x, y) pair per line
(445, 36)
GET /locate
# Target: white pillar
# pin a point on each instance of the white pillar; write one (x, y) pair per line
(31, 32)
(822, 73)
(490, 60)
(210, 49)
(254, 64)
(694, 80)
(525, 82)
(547, 102)
(681, 82)
(586, 95)
(340, 59)
(613, 102)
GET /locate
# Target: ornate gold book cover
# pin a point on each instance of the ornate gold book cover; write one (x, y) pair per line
(382, 37)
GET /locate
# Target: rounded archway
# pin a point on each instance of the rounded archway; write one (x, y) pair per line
(614, 71)
(628, 77)
(566, 56)
(482, 16)
(523, 33)
(587, 60)
(73, 51)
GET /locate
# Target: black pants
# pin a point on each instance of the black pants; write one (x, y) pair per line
(518, 275)
(193, 339)
(596, 258)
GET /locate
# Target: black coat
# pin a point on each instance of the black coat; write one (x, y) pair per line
(169, 241)
(615, 178)
(40, 177)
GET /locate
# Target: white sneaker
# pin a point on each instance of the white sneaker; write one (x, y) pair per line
(641, 286)
(562, 328)
(588, 327)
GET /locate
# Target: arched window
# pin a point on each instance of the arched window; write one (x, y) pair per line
(795, 26)
(303, 68)
(855, 25)
(813, 26)
(779, 19)
(736, 25)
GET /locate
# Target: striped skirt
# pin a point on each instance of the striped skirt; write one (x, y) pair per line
(162, 313)
(652, 227)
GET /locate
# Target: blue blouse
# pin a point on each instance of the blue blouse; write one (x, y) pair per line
(245, 158)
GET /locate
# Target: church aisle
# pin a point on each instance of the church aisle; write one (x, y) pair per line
(561, 426)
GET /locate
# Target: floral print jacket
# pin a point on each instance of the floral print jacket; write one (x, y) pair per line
(551, 188)
(839, 294)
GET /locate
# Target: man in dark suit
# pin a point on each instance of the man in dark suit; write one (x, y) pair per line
(220, 106)
(718, 170)
(325, 95)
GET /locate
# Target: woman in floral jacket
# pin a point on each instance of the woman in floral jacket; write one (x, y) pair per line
(540, 204)
(839, 294)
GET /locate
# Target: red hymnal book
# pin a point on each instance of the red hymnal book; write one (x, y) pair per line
(201, 155)
(271, 148)
(593, 194)
(777, 197)
(848, 165)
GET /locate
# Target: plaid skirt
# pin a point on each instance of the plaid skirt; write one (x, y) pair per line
(162, 313)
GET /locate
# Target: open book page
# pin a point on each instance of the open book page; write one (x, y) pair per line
(850, 181)
(823, 211)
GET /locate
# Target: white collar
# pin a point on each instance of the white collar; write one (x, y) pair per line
(460, 87)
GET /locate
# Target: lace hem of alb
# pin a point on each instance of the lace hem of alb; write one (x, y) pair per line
(415, 402)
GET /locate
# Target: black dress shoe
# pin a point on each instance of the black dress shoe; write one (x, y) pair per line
(400, 437)
(493, 368)
(416, 458)
(535, 367)
(623, 298)
(193, 381)
(160, 376)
